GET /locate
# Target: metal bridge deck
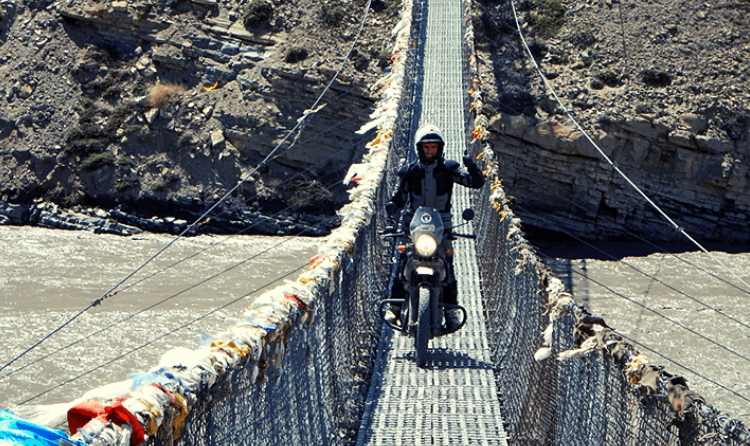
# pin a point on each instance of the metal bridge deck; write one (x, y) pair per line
(453, 400)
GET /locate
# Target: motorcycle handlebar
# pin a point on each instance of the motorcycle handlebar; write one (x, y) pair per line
(392, 234)
(454, 236)
(388, 233)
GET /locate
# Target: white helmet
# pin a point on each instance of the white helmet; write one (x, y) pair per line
(429, 133)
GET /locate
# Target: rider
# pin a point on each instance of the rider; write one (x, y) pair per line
(428, 181)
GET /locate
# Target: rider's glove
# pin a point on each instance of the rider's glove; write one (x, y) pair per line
(468, 161)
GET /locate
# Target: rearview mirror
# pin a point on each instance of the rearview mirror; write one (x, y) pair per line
(468, 214)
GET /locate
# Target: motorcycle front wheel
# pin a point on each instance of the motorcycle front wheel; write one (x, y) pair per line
(423, 325)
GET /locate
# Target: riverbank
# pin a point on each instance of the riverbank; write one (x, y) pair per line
(121, 222)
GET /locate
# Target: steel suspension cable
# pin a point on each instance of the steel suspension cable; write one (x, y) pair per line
(665, 317)
(659, 248)
(199, 252)
(645, 307)
(685, 367)
(643, 273)
(242, 231)
(650, 349)
(163, 335)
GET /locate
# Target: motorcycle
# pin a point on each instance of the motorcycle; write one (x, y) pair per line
(424, 270)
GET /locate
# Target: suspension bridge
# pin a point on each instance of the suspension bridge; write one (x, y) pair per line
(311, 363)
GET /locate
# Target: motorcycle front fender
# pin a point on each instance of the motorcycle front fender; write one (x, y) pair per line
(425, 271)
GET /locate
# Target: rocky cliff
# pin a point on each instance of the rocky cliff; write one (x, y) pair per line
(660, 86)
(118, 115)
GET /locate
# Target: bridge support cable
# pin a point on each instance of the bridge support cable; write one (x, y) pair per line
(453, 400)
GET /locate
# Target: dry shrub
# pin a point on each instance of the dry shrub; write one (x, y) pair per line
(159, 94)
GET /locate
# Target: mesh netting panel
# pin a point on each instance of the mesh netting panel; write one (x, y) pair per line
(315, 394)
(586, 400)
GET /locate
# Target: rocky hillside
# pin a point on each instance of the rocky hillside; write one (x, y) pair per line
(661, 86)
(119, 115)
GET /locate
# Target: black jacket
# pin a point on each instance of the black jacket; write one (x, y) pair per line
(432, 184)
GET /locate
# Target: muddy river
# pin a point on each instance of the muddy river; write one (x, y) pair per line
(688, 312)
(49, 276)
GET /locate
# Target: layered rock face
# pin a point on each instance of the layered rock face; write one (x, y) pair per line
(563, 183)
(662, 87)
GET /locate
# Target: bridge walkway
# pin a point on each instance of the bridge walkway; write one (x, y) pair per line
(453, 399)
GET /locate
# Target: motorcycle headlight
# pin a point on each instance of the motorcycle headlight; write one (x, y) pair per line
(426, 245)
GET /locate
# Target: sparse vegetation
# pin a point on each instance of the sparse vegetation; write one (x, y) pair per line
(161, 94)
(97, 160)
(256, 14)
(94, 52)
(159, 184)
(359, 60)
(655, 78)
(583, 39)
(295, 54)
(125, 161)
(120, 108)
(123, 184)
(547, 18)
(332, 13)
(488, 28)
(384, 59)
(609, 78)
(385, 7)
(644, 108)
(111, 92)
(557, 56)
(73, 133)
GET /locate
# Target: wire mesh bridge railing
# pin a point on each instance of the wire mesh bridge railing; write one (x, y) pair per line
(300, 367)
